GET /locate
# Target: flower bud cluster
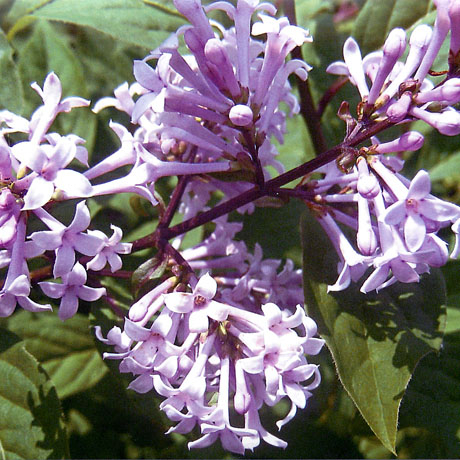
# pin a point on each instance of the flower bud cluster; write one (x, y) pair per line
(400, 90)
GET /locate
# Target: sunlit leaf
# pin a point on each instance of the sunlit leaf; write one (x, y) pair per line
(376, 340)
(132, 21)
(447, 169)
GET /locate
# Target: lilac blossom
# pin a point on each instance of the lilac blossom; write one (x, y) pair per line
(400, 90)
(47, 165)
(16, 287)
(66, 240)
(44, 116)
(395, 220)
(196, 99)
(199, 304)
(36, 169)
(72, 288)
(9, 215)
(109, 251)
(411, 210)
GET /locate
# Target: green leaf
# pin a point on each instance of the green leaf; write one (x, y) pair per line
(376, 340)
(31, 422)
(65, 349)
(11, 96)
(131, 21)
(378, 17)
(447, 169)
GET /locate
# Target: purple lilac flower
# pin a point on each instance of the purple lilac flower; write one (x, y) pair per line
(417, 209)
(66, 240)
(40, 162)
(108, 253)
(9, 215)
(16, 287)
(72, 288)
(201, 354)
(203, 107)
(47, 171)
(395, 220)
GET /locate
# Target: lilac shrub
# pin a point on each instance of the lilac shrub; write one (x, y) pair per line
(223, 332)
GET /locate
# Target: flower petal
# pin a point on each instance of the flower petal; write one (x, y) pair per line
(179, 302)
(73, 183)
(395, 213)
(414, 232)
(206, 287)
(420, 186)
(68, 306)
(198, 321)
(39, 193)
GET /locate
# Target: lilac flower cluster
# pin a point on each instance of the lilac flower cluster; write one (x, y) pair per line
(213, 104)
(214, 352)
(217, 355)
(35, 176)
(396, 220)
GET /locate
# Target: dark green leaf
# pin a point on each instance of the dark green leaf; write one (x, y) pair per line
(376, 340)
(432, 400)
(131, 21)
(65, 349)
(378, 17)
(262, 228)
(11, 96)
(31, 422)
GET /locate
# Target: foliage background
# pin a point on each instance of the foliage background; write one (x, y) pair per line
(59, 399)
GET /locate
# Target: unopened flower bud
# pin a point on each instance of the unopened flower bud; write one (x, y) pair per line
(241, 115)
(454, 15)
(368, 185)
(447, 122)
(448, 92)
(241, 402)
(410, 141)
(394, 46)
(398, 111)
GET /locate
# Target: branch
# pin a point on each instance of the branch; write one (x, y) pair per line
(270, 186)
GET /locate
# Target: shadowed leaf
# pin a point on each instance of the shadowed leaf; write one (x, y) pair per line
(65, 349)
(31, 422)
(11, 96)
